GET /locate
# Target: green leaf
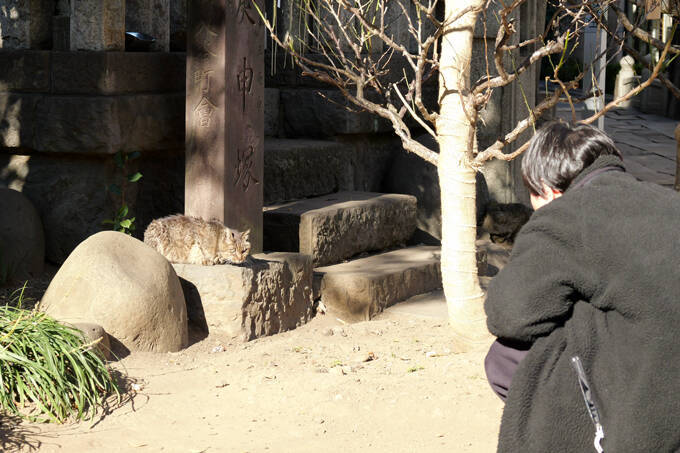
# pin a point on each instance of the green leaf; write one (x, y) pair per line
(108, 222)
(135, 177)
(115, 188)
(122, 212)
(126, 223)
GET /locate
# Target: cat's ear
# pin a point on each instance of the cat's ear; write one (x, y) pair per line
(245, 235)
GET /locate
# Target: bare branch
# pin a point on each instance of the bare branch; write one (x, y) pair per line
(550, 48)
(413, 113)
(641, 34)
(495, 150)
(637, 89)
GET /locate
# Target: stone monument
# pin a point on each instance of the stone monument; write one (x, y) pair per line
(225, 114)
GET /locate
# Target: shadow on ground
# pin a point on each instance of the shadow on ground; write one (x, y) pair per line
(16, 436)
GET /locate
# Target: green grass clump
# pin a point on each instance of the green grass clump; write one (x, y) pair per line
(48, 372)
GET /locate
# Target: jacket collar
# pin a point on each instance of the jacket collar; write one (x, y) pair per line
(601, 165)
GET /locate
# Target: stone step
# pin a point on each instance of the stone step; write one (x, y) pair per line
(359, 289)
(340, 225)
(303, 168)
(268, 294)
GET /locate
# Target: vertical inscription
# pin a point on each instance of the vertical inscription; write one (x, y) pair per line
(225, 116)
(244, 11)
(243, 170)
(245, 81)
(205, 40)
(205, 108)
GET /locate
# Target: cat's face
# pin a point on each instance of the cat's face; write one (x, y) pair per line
(234, 245)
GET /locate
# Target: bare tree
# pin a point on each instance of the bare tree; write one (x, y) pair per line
(352, 45)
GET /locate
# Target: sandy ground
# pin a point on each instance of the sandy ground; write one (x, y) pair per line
(393, 384)
(397, 383)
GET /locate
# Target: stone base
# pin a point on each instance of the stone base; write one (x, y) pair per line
(360, 289)
(269, 294)
(340, 225)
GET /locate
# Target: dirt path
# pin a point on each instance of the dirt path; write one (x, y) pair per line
(307, 390)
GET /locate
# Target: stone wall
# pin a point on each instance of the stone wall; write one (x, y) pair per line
(63, 115)
(304, 107)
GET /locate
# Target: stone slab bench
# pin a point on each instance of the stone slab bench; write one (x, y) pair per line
(269, 294)
(340, 225)
(359, 289)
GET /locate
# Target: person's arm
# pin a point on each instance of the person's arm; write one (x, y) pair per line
(547, 273)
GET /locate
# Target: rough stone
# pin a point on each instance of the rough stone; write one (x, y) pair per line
(126, 287)
(94, 333)
(61, 33)
(301, 168)
(337, 226)
(178, 25)
(97, 25)
(25, 24)
(22, 241)
(69, 192)
(360, 289)
(118, 72)
(271, 112)
(95, 73)
(151, 17)
(92, 124)
(306, 113)
(269, 294)
(27, 71)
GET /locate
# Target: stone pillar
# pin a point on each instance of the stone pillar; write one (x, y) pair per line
(178, 25)
(225, 115)
(97, 25)
(25, 24)
(151, 17)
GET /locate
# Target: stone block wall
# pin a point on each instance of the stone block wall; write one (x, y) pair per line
(64, 113)
(63, 116)
(98, 25)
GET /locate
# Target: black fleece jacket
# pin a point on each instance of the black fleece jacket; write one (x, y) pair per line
(594, 274)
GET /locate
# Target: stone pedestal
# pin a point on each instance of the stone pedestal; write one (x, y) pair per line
(225, 115)
(269, 294)
(97, 25)
(151, 17)
(25, 24)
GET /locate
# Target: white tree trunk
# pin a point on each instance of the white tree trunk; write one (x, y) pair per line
(457, 181)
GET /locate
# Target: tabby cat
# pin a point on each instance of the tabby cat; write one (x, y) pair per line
(191, 240)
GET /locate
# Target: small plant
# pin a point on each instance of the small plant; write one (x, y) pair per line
(413, 369)
(48, 372)
(121, 222)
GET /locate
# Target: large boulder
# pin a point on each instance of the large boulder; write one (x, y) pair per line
(126, 287)
(22, 241)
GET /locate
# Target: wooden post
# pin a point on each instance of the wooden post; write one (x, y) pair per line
(225, 115)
